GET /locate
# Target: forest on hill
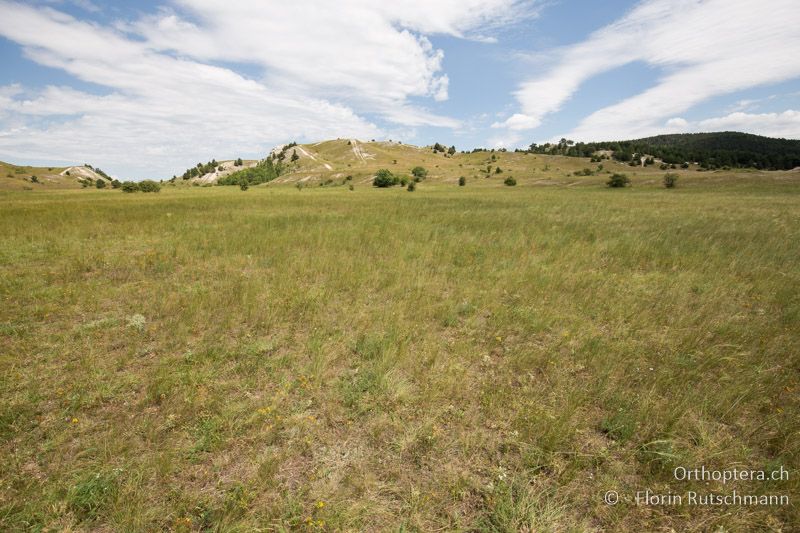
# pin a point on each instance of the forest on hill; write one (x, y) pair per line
(709, 150)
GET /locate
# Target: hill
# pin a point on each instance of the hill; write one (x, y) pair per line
(353, 161)
(23, 177)
(709, 150)
(340, 162)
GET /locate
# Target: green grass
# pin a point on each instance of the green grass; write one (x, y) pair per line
(479, 358)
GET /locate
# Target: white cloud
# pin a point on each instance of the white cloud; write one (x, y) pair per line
(169, 103)
(707, 48)
(785, 124)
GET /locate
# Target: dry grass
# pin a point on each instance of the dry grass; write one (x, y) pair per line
(458, 358)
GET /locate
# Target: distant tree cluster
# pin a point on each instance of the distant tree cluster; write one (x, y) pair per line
(201, 169)
(265, 171)
(709, 150)
(443, 149)
(142, 186)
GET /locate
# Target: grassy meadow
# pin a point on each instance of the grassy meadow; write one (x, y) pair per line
(479, 358)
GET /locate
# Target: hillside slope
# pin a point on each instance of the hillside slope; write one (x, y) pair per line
(21, 177)
(350, 161)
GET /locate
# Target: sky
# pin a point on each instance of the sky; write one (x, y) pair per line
(145, 89)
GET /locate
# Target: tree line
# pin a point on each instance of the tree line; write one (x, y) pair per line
(708, 150)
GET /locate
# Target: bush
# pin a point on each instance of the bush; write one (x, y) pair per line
(419, 172)
(618, 180)
(130, 186)
(100, 184)
(384, 178)
(510, 181)
(412, 186)
(116, 184)
(498, 170)
(670, 180)
(149, 186)
(244, 185)
(404, 181)
(462, 181)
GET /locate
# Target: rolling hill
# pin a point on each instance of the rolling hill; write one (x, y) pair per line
(350, 161)
(20, 177)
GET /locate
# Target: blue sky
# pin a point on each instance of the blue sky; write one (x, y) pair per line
(145, 89)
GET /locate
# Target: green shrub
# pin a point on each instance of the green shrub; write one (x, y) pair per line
(404, 181)
(670, 180)
(412, 186)
(100, 184)
(116, 184)
(498, 170)
(34, 179)
(130, 186)
(244, 185)
(149, 186)
(510, 181)
(462, 181)
(384, 178)
(618, 180)
(419, 172)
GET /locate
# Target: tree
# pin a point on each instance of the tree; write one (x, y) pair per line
(412, 187)
(618, 180)
(100, 184)
(510, 181)
(498, 170)
(384, 178)
(243, 184)
(294, 157)
(149, 186)
(462, 181)
(34, 179)
(116, 184)
(670, 180)
(238, 162)
(451, 150)
(419, 172)
(130, 186)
